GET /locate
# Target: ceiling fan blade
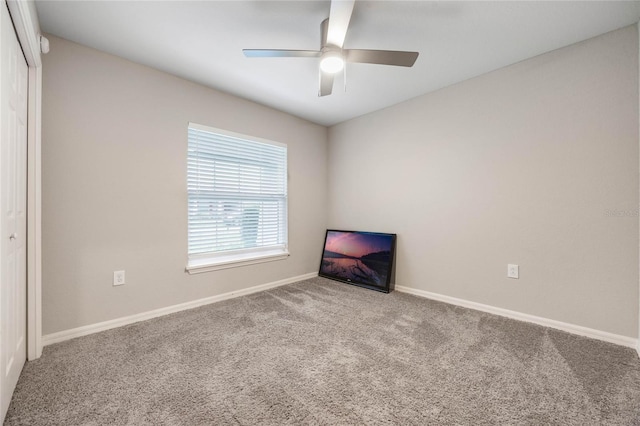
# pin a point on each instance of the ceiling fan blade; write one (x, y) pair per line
(277, 53)
(381, 57)
(339, 17)
(326, 84)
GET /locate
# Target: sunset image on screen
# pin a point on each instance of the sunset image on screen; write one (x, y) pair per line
(357, 257)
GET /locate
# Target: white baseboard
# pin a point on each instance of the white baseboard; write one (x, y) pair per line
(119, 322)
(569, 328)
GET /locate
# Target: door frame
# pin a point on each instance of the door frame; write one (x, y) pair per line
(25, 20)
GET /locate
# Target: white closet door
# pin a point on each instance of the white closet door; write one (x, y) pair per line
(13, 206)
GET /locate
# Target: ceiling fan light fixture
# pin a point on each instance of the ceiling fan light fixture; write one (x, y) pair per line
(332, 62)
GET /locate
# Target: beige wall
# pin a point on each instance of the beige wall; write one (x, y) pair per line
(534, 164)
(521, 166)
(114, 187)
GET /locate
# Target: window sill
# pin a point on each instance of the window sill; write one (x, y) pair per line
(197, 266)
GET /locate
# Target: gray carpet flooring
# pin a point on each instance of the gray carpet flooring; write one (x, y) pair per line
(320, 352)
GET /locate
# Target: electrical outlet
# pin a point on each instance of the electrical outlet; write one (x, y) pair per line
(513, 271)
(118, 277)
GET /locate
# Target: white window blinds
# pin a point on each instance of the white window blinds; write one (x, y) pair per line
(237, 189)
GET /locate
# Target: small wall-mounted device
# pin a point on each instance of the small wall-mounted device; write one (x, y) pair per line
(44, 44)
(118, 277)
(512, 271)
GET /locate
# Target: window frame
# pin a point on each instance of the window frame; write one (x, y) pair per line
(213, 261)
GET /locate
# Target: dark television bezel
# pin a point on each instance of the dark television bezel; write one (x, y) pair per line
(388, 285)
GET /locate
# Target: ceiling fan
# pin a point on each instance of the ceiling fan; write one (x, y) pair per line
(332, 55)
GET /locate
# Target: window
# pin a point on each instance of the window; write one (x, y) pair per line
(237, 199)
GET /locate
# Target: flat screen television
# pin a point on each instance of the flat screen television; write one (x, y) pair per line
(360, 258)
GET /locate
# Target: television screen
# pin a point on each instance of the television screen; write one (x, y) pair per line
(360, 258)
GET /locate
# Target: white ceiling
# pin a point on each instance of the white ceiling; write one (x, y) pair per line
(203, 40)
